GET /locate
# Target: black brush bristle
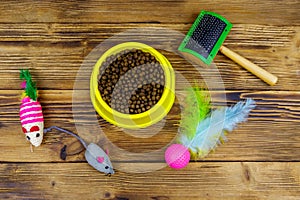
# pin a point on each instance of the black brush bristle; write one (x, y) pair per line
(206, 35)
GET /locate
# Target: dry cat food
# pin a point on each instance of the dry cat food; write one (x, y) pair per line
(131, 81)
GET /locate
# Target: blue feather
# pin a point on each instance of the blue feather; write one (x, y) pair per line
(211, 131)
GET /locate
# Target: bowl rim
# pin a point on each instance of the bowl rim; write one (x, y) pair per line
(168, 86)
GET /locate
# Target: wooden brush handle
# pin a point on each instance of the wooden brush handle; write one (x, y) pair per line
(251, 67)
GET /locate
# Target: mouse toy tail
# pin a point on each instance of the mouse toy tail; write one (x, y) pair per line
(67, 132)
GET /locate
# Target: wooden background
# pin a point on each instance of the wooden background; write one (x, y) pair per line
(52, 39)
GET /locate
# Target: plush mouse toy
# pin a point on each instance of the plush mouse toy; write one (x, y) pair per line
(94, 154)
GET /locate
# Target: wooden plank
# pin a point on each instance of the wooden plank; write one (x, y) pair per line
(270, 134)
(55, 53)
(252, 141)
(205, 180)
(256, 12)
(57, 104)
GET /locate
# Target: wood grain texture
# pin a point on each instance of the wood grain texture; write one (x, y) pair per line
(269, 135)
(137, 11)
(209, 180)
(54, 40)
(252, 141)
(46, 49)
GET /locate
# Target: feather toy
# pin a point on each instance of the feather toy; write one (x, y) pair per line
(31, 115)
(209, 131)
(197, 106)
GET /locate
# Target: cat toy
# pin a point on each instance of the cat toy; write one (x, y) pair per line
(94, 154)
(202, 129)
(31, 115)
(205, 38)
(32, 122)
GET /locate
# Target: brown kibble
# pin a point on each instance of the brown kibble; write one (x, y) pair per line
(147, 71)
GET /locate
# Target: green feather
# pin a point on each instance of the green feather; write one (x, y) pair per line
(197, 106)
(30, 90)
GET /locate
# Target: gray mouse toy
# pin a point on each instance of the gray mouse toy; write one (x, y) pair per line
(94, 155)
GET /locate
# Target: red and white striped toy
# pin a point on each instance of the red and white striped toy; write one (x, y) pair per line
(31, 115)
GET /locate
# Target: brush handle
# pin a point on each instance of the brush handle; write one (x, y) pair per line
(251, 67)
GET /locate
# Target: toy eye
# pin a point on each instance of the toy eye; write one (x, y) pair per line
(37, 135)
(34, 128)
(24, 130)
(106, 167)
(28, 138)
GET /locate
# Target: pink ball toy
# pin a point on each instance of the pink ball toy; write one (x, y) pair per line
(177, 156)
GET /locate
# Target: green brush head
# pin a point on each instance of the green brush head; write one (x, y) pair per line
(206, 36)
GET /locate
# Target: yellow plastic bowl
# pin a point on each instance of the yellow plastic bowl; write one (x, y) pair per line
(147, 118)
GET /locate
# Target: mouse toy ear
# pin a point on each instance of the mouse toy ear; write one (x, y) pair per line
(100, 159)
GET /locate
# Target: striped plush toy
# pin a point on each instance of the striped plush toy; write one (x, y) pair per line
(31, 115)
